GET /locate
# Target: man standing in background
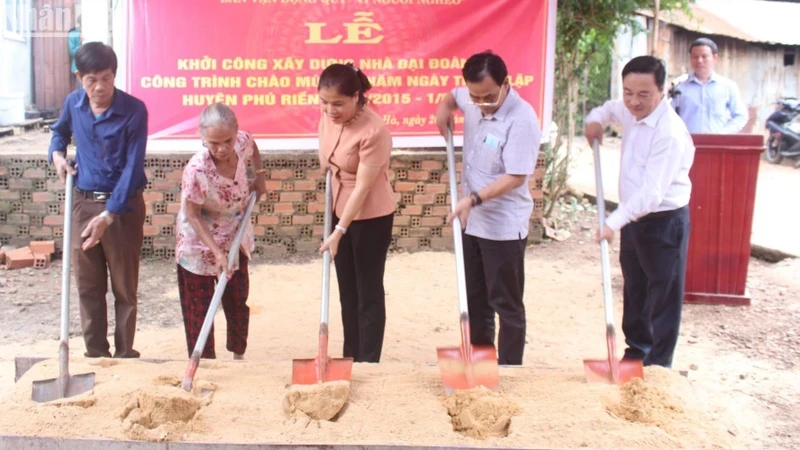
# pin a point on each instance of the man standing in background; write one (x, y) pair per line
(74, 40)
(708, 102)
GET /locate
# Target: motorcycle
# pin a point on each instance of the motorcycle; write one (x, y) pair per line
(784, 132)
(674, 93)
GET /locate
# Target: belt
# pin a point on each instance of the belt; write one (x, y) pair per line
(660, 214)
(97, 196)
(100, 196)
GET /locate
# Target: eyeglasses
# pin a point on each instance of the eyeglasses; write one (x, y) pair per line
(499, 96)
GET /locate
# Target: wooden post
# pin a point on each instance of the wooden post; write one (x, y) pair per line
(654, 48)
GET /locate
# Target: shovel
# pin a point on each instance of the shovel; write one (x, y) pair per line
(611, 370)
(65, 385)
(323, 368)
(233, 255)
(469, 365)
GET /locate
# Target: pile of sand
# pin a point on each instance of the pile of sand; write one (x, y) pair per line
(156, 413)
(480, 413)
(669, 402)
(85, 400)
(161, 411)
(316, 401)
(659, 400)
(388, 404)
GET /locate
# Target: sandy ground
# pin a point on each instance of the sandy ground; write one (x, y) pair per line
(743, 386)
(390, 403)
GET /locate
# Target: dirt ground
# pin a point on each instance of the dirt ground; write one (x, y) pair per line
(740, 360)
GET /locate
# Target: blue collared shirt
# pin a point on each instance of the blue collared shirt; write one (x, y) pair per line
(715, 107)
(110, 149)
(74, 42)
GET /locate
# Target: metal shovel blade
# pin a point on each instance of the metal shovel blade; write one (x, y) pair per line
(322, 368)
(62, 387)
(465, 371)
(65, 385)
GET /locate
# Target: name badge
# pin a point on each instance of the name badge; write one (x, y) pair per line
(492, 141)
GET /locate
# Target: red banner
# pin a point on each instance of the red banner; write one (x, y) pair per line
(263, 57)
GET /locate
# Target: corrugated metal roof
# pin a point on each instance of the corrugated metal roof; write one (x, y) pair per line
(749, 20)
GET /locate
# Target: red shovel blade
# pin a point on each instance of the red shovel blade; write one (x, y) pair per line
(461, 371)
(600, 371)
(323, 368)
(308, 371)
(611, 370)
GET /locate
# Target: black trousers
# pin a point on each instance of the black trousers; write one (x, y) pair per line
(360, 265)
(653, 258)
(495, 272)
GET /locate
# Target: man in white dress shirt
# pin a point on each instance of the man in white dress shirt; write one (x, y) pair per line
(653, 216)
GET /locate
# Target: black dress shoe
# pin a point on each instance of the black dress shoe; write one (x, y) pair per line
(131, 354)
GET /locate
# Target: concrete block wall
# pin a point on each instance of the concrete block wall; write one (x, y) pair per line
(288, 222)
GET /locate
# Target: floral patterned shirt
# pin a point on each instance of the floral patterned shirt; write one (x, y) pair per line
(223, 202)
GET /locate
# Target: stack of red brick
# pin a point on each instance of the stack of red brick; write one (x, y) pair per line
(36, 255)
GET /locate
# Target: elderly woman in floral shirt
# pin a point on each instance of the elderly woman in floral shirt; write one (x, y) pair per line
(214, 196)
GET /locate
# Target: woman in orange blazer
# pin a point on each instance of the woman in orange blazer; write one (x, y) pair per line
(355, 144)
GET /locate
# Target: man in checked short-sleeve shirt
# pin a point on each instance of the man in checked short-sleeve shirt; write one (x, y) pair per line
(501, 143)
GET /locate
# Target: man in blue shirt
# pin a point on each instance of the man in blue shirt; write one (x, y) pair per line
(110, 130)
(708, 102)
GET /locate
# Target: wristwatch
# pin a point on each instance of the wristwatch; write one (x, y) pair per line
(107, 217)
(476, 199)
(341, 228)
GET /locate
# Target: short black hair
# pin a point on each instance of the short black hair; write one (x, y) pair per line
(645, 65)
(94, 57)
(481, 65)
(704, 42)
(348, 80)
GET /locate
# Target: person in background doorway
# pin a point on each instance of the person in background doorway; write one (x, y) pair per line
(214, 196)
(74, 41)
(110, 131)
(708, 102)
(355, 145)
(653, 216)
(501, 144)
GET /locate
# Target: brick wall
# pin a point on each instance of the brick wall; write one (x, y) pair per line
(288, 222)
